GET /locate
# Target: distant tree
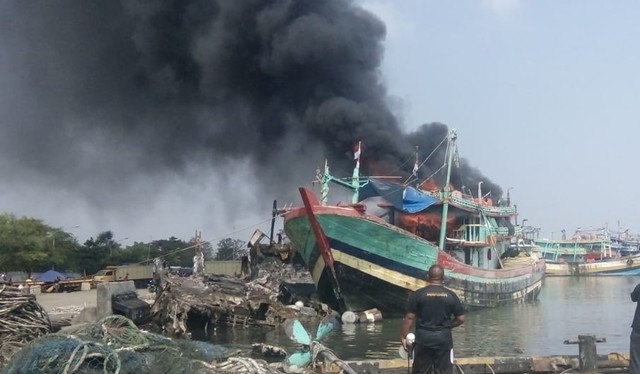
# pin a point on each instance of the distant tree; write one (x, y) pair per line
(229, 249)
(64, 248)
(104, 251)
(30, 245)
(133, 254)
(175, 251)
(208, 250)
(96, 253)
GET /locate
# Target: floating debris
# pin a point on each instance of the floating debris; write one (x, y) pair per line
(268, 351)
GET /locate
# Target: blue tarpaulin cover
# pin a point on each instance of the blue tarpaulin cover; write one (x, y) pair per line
(416, 201)
(405, 198)
(51, 276)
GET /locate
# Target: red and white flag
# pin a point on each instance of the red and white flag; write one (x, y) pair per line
(356, 153)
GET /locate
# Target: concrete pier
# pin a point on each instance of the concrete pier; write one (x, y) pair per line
(611, 363)
(587, 361)
(104, 293)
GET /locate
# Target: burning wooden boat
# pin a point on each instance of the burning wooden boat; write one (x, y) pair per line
(587, 253)
(360, 261)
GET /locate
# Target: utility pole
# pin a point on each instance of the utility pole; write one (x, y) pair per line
(198, 263)
(233, 248)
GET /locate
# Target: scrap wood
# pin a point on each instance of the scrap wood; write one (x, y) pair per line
(220, 300)
(22, 320)
(244, 365)
(181, 297)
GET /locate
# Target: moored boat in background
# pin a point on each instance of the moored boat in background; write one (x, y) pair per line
(359, 260)
(625, 243)
(587, 254)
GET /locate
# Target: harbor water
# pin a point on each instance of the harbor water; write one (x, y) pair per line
(567, 307)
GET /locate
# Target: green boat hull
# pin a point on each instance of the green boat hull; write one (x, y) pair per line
(379, 265)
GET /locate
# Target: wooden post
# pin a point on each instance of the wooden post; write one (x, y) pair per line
(588, 355)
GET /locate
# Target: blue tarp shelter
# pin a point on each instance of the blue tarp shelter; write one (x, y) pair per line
(51, 276)
(403, 198)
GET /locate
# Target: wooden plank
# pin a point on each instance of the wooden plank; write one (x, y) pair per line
(504, 365)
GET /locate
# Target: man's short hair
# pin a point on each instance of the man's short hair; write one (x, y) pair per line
(436, 272)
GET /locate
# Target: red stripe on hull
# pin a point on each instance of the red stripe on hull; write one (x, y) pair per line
(451, 264)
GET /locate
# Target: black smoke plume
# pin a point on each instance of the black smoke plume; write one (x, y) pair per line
(98, 94)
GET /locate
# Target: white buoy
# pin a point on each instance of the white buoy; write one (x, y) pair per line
(299, 304)
(349, 317)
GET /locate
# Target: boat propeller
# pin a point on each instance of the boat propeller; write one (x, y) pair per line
(302, 357)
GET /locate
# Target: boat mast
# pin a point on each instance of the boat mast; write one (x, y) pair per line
(355, 184)
(446, 193)
(324, 183)
(416, 166)
(355, 181)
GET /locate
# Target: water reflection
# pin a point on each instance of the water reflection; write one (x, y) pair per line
(498, 331)
(566, 308)
(367, 340)
(349, 332)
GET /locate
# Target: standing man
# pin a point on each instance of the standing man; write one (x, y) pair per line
(436, 310)
(634, 347)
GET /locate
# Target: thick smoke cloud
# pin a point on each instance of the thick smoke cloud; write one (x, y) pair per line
(96, 95)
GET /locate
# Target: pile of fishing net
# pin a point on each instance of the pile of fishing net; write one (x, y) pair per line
(22, 319)
(115, 345)
(522, 259)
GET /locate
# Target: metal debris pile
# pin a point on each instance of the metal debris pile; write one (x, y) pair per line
(183, 304)
(283, 272)
(179, 299)
(22, 320)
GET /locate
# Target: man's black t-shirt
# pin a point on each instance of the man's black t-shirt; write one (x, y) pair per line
(435, 306)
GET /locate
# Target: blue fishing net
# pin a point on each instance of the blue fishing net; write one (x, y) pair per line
(62, 354)
(114, 345)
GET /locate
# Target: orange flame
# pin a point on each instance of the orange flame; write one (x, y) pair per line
(425, 224)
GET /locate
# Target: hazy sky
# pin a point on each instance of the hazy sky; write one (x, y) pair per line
(545, 97)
